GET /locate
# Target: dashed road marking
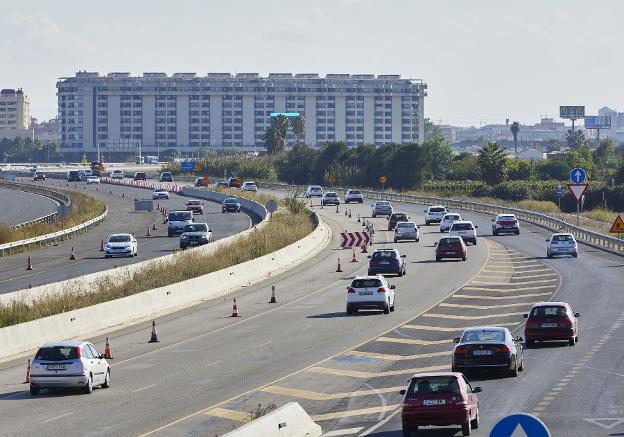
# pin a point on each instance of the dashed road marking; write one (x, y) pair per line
(361, 374)
(143, 388)
(485, 307)
(392, 357)
(58, 417)
(225, 413)
(516, 296)
(339, 432)
(413, 341)
(507, 290)
(516, 283)
(318, 396)
(458, 317)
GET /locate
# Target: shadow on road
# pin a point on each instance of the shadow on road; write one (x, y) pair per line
(425, 432)
(344, 314)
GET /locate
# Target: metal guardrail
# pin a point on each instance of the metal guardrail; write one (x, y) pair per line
(592, 238)
(43, 191)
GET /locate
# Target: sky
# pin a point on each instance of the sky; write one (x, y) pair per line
(483, 60)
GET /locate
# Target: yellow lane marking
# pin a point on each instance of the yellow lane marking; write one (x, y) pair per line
(143, 388)
(391, 357)
(351, 413)
(485, 307)
(513, 263)
(317, 396)
(515, 296)
(508, 290)
(360, 374)
(58, 417)
(499, 271)
(413, 341)
(515, 283)
(533, 270)
(224, 413)
(515, 271)
(444, 329)
(485, 316)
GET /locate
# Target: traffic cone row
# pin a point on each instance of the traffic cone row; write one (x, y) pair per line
(102, 246)
(273, 299)
(154, 226)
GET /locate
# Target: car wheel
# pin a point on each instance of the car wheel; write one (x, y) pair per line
(169, 234)
(349, 310)
(409, 431)
(521, 367)
(463, 258)
(386, 309)
(361, 201)
(89, 387)
(107, 256)
(571, 341)
(548, 255)
(474, 242)
(495, 233)
(466, 430)
(417, 239)
(400, 273)
(438, 259)
(426, 222)
(474, 423)
(530, 343)
(34, 390)
(514, 372)
(395, 240)
(106, 383)
(374, 215)
(517, 232)
(575, 255)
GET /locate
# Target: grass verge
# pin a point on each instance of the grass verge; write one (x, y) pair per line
(84, 208)
(284, 228)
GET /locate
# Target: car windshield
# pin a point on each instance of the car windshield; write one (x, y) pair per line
(196, 227)
(160, 190)
(331, 195)
(179, 216)
(399, 216)
(437, 209)
(548, 311)
(562, 238)
(494, 335)
(230, 201)
(355, 192)
(451, 217)
(406, 225)
(193, 202)
(507, 217)
(462, 227)
(119, 239)
(382, 204)
(384, 254)
(366, 283)
(315, 188)
(448, 241)
(433, 384)
(57, 353)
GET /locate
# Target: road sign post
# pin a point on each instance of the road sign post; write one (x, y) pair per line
(331, 179)
(578, 191)
(559, 192)
(572, 113)
(383, 180)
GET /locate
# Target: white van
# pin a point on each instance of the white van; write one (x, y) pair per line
(465, 229)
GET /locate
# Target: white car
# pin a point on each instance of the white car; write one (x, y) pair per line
(370, 292)
(561, 244)
(70, 364)
(505, 223)
(249, 186)
(406, 231)
(117, 174)
(434, 214)
(314, 191)
(465, 229)
(93, 180)
(448, 220)
(121, 245)
(353, 196)
(160, 193)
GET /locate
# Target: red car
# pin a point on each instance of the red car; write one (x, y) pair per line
(195, 206)
(395, 218)
(440, 399)
(451, 247)
(551, 321)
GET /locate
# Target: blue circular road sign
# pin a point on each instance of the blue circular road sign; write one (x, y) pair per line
(577, 175)
(531, 425)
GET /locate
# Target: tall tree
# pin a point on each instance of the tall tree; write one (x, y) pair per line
(554, 145)
(492, 164)
(515, 129)
(575, 139)
(275, 135)
(298, 127)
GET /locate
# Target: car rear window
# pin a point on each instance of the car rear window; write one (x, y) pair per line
(550, 311)
(434, 384)
(119, 239)
(399, 216)
(507, 217)
(382, 204)
(355, 192)
(196, 227)
(439, 209)
(484, 335)
(406, 225)
(331, 195)
(179, 216)
(451, 217)
(562, 238)
(448, 241)
(193, 202)
(57, 353)
(140, 175)
(384, 254)
(366, 283)
(462, 227)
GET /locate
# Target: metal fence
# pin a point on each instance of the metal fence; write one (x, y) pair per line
(596, 239)
(43, 191)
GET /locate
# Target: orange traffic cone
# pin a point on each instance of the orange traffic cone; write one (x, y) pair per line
(235, 310)
(337, 210)
(339, 269)
(73, 254)
(27, 373)
(353, 258)
(108, 352)
(29, 265)
(149, 233)
(123, 195)
(364, 248)
(154, 226)
(110, 191)
(102, 246)
(273, 298)
(154, 337)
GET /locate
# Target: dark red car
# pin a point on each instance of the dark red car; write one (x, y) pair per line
(395, 218)
(439, 399)
(451, 247)
(551, 321)
(195, 206)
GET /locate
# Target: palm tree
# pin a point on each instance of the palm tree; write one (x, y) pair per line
(515, 128)
(281, 125)
(492, 164)
(298, 126)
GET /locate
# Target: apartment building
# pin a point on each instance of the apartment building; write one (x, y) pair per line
(14, 110)
(118, 112)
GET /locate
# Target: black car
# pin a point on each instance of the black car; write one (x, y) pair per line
(166, 177)
(235, 182)
(196, 234)
(199, 182)
(140, 176)
(39, 177)
(488, 348)
(386, 261)
(231, 204)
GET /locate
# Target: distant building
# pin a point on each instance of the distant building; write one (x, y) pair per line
(45, 131)
(447, 131)
(528, 154)
(14, 109)
(119, 112)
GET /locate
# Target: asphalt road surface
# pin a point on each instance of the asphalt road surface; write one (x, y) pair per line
(20, 206)
(210, 371)
(52, 263)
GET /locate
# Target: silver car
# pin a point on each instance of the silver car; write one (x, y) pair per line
(354, 196)
(68, 364)
(406, 231)
(382, 207)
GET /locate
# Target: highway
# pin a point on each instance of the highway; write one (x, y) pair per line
(209, 371)
(52, 263)
(20, 206)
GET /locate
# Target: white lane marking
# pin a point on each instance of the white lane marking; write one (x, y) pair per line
(380, 424)
(346, 431)
(58, 417)
(382, 398)
(143, 388)
(213, 363)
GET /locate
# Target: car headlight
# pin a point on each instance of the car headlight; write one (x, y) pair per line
(183, 237)
(108, 246)
(204, 237)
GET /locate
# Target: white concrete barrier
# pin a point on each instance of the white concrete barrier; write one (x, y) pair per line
(24, 338)
(291, 420)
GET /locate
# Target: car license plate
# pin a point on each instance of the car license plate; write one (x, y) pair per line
(428, 402)
(450, 253)
(482, 352)
(366, 293)
(56, 367)
(549, 325)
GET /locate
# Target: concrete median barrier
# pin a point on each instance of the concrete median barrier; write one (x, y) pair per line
(290, 420)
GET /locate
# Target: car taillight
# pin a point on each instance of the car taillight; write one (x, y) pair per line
(78, 352)
(381, 290)
(461, 350)
(502, 349)
(566, 324)
(397, 261)
(532, 324)
(459, 400)
(350, 290)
